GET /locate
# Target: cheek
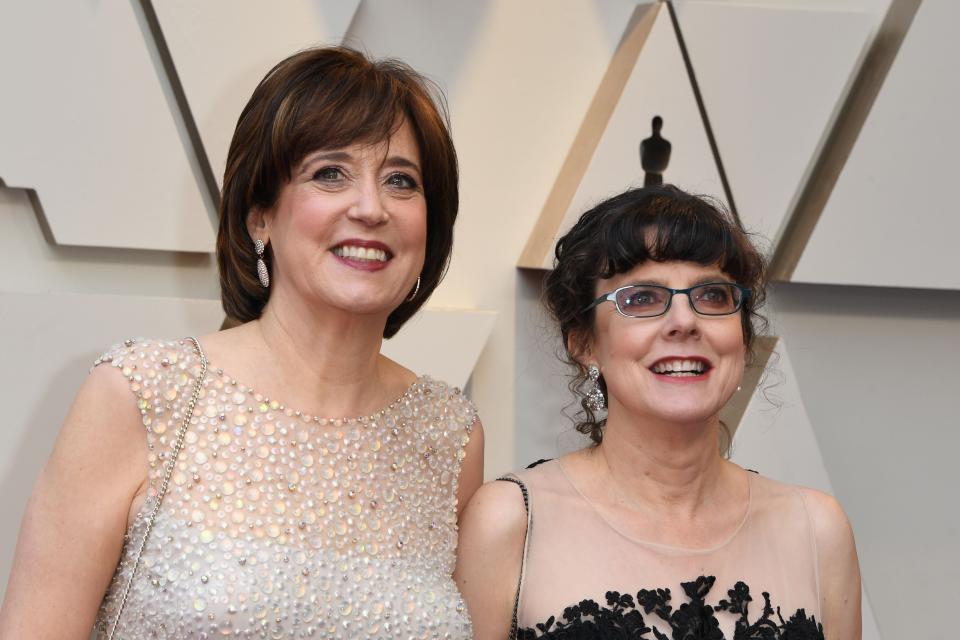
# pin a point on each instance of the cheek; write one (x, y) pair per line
(624, 344)
(414, 225)
(312, 217)
(727, 338)
(733, 348)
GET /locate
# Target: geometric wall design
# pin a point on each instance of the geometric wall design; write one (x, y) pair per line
(222, 48)
(769, 139)
(88, 121)
(646, 78)
(444, 343)
(33, 262)
(892, 217)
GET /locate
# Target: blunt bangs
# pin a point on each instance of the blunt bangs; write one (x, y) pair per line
(325, 108)
(665, 230)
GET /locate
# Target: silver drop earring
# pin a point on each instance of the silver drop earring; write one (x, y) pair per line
(262, 272)
(416, 290)
(595, 400)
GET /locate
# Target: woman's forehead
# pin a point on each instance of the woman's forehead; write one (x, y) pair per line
(672, 273)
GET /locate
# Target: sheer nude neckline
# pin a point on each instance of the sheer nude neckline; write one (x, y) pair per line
(659, 545)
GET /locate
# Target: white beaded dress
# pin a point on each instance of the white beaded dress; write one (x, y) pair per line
(281, 525)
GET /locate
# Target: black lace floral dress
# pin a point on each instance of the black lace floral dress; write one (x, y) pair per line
(584, 579)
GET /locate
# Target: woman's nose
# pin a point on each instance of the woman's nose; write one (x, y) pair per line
(681, 319)
(368, 207)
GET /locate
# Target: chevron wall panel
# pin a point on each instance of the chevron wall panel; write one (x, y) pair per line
(88, 120)
(891, 219)
(221, 49)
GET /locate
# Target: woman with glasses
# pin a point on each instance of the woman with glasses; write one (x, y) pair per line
(651, 532)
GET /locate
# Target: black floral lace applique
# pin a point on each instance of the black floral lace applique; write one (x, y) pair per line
(623, 617)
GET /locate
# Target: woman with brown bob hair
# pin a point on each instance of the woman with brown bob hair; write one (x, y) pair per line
(651, 532)
(280, 478)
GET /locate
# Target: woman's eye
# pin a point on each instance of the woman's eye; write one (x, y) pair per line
(715, 294)
(401, 181)
(643, 297)
(328, 174)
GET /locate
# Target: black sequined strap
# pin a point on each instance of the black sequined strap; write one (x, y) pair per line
(514, 623)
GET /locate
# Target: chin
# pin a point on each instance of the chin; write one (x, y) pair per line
(687, 415)
(366, 307)
(361, 300)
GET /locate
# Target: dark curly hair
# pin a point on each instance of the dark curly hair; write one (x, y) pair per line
(660, 223)
(326, 98)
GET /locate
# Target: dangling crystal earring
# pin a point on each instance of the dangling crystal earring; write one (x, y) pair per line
(595, 400)
(262, 272)
(416, 290)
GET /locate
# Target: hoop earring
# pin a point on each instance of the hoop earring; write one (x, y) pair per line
(595, 401)
(416, 290)
(262, 272)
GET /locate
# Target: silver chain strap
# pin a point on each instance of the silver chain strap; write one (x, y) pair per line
(171, 463)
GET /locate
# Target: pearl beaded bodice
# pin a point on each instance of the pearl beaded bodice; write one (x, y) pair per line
(279, 525)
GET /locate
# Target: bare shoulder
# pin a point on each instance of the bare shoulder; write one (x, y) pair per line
(838, 567)
(489, 556)
(103, 431)
(830, 523)
(497, 512)
(105, 407)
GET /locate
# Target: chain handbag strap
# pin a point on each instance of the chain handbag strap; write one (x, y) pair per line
(171, 463)
(514, 620)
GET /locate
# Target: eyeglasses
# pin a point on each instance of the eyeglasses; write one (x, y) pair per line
(650, 300)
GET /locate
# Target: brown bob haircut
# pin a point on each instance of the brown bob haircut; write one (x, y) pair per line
(659, 224)
(327, 98)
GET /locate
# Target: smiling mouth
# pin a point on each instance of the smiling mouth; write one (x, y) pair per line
(680, 368)
(361, 254)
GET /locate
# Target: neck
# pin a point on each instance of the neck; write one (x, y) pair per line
(329, 360)
(668, 467)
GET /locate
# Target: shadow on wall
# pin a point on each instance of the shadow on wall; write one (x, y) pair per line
(99, 255)
(378, 29)
(36, 262)
(543, 397)
(870, 302)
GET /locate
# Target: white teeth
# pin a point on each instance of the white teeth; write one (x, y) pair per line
(360, 253)
(680, 367)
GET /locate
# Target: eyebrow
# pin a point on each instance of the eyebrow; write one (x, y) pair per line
(719, 277)
(344, 156)
(400, 161)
